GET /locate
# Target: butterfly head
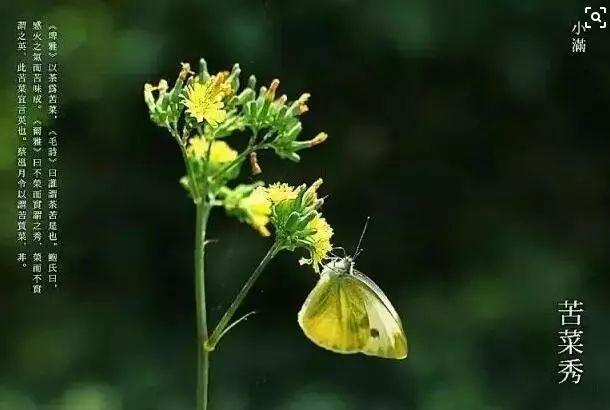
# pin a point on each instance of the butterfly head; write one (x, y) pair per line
(339, 266)
(345, 264)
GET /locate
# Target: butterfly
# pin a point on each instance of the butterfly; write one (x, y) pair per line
(346, 312)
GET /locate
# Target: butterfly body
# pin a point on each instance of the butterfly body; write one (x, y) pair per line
(347, 312)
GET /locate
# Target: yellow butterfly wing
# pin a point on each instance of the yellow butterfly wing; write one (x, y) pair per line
(348, 313)
(388, 338)
(334, 317)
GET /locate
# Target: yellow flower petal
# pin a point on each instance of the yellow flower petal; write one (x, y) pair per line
(220, 151)
(204, 101)
(258, 208)
(320, 238)
(216, 115)
(277, 192)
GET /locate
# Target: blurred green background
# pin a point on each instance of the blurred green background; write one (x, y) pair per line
(469, 132)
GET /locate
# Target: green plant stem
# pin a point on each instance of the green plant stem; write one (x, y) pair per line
(203, 362)
(187, 164)
(228, 315)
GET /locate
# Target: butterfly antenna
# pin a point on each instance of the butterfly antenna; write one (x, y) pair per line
(357, 250)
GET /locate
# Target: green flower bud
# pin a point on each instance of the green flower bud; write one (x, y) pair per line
(251, 82)
(203, 74)
(234, 77)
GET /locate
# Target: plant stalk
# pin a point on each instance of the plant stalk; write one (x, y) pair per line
(203, 362)
(219, 330)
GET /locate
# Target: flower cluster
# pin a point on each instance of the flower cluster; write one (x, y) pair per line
(215, 103)
(293, 213)
(201, 111)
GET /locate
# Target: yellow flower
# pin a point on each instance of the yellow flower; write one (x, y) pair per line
(220, 151)
(320, 242)
(258, 208)
(204, 101)
(280, 192)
